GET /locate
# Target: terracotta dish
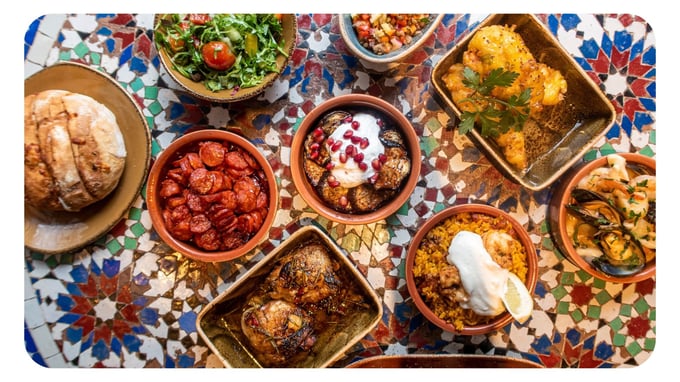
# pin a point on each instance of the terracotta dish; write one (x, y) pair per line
(558, 216)
(204, 249)
(370, 104)
(521, 234)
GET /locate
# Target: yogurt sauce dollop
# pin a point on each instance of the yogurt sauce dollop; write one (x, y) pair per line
(349, 173)
(482, 278)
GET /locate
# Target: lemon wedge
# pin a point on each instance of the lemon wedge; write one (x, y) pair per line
(517, 299)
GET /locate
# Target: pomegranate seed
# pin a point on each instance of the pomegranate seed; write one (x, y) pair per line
(343, 158)
(359, 157)
(330, 166)
(376, 164)
(355, 125)
(314, 146)
(343, 200)
(362, 166)
(349, 118)
(355, 139)
(348, 134)
(318, 131)
(364, 143)
(330, 141)
(380, 122)
(373, 178)
(333, 184)
(319, 138)
(314, 154)
(331, 179)
(336, 146)
(349, 150)
(382, 158)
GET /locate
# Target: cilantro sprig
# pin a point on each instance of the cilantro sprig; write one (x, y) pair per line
(494, 116)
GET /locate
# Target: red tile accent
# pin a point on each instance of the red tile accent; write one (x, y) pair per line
(581, 294)
(638, 327)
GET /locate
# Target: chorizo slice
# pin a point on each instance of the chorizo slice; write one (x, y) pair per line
(199, 223)
(235, 160)
(196, 203)
(208, 240)
(211, 153)
(175, 201)
(169, 188)
(194, 161)
(219, 181)
(200, 181)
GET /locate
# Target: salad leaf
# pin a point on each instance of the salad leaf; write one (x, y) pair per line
(182, 40)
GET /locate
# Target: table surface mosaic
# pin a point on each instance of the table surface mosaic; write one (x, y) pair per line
(128, 301)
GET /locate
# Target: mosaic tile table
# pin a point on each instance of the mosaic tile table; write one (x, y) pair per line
(128, 301)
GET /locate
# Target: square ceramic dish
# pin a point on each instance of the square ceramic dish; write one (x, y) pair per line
(576, 124)
(218, 323)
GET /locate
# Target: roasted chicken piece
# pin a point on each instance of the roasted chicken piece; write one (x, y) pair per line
(278, 330)
(306, 275)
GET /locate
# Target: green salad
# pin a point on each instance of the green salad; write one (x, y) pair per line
(224, 51)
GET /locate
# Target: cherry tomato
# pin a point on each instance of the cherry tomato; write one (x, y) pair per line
(217, 55)
(199, 18)
(174, 39)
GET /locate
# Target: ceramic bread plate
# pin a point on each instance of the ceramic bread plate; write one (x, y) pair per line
(61, 232)
(562, 136)
(219, 323)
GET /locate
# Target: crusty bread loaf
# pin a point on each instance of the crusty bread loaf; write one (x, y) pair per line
(74, 153)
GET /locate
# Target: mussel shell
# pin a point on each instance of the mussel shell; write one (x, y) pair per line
(597, 213)
(623, 255)
(617, 270)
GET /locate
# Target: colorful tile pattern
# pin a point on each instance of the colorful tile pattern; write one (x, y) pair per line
(129, 301)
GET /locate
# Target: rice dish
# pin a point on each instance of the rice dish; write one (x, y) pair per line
(431, 269)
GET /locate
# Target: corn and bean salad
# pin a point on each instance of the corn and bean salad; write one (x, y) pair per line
(383, 33)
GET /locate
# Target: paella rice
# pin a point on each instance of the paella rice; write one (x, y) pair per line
(430, 262)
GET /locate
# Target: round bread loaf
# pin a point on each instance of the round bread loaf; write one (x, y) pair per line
(74, 153)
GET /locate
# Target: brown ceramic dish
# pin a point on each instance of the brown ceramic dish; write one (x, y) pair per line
(189, 143)
(557, 217)
(60, 232)
(198, 89)
(583, 117)
(440, 361)
(218, 324)
(500, 320)
(344, 103)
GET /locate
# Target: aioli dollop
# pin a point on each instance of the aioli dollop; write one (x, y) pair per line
(482, 278)
(349, 173)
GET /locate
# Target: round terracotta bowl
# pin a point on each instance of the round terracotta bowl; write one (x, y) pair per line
(344, 102)
(557, 216)
(521, 234)
(198, 89)
(155, 203)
